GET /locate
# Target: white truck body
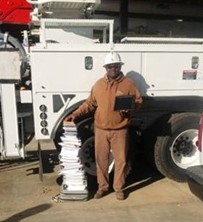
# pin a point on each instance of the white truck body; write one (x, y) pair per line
(157, 71)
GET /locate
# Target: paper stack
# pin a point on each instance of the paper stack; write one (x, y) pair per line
(74, 185)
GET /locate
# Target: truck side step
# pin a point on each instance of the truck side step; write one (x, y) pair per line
(74, 195)
(195, 180)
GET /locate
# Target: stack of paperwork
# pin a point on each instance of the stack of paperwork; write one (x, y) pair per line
(74, 185)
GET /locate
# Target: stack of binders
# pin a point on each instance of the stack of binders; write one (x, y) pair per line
(74, 185)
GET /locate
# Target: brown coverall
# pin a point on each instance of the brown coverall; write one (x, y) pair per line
(111, 127)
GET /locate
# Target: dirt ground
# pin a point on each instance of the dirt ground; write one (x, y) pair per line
(150, 196)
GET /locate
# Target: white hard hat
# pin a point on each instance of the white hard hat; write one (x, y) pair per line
(111, 58)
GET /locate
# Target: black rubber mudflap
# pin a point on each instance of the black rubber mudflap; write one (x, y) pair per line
(195, 180)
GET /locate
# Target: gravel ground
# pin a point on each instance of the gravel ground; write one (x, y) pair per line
(150, 197)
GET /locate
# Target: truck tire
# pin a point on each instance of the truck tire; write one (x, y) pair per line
(177, 150)
(88, 157)
(87, 151)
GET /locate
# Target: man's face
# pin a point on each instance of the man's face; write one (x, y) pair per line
(113, 70)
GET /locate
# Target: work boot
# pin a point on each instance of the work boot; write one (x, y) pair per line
(120, 195)
(100, 193)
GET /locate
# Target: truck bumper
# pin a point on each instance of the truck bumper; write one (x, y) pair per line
(195, 180)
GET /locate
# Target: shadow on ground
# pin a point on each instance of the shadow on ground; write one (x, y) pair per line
(27, 213)
(141, 175)
(31, 162)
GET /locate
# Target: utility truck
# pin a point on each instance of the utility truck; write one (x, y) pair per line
(48, 70)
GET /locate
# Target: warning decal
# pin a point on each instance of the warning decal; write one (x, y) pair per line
(189, 74)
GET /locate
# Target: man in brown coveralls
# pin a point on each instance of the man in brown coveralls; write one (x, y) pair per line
(111, 126)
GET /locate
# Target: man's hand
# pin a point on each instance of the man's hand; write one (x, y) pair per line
(125, 113)
(69, 118)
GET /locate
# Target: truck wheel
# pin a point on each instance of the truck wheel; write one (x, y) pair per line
(87, 155)
(85, 130)
(176, 151)
(87, 152)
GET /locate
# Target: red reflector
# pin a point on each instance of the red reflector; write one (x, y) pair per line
(200, 129)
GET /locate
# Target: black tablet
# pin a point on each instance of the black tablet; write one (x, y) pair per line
(124, 102)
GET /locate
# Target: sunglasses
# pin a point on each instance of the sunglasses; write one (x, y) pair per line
(116, 66)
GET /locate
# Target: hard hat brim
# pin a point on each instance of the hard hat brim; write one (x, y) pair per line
(121, 63)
